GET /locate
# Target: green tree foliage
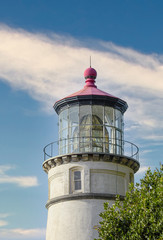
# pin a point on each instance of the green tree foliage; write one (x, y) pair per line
(139, 216)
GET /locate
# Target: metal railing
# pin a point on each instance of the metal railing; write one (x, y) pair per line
(91, 144)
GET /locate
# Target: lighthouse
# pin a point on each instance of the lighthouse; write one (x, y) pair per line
(89, 164)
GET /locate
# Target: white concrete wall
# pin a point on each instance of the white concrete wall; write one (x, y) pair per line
(97, 177)
(75, 219)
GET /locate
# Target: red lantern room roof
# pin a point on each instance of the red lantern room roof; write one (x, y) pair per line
(91, 92)
(90, 88)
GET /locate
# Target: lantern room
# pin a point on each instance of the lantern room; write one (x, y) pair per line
(91, 120)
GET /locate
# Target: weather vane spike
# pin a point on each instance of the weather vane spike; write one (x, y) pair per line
(90, 61)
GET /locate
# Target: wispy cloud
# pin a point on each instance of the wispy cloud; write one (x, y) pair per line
(19, 233)
(142, 169)
(3, 223)
(154, 137)
(50, 66)
(4, 215)
(146, 151)
(21, 181)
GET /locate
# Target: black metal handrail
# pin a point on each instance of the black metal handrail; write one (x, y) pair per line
(91, 144)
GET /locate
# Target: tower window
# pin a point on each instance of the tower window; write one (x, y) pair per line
(77, 180)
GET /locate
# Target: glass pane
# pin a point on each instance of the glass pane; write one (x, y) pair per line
(77, 180)
(71, 146)
(97, 132)
(109, 116)
(75, 131)
(97, 112)
(73, 120)
(63, 130)
(64, 133)
(118, 119)
(118, 142)
(77, 175)
(74, 115)
(64, 119)
(65, 146)
(85, 114)
(97, 138)
(106, 138)
(60, 122)
(85, 128)
(77, 185)
(112, 140)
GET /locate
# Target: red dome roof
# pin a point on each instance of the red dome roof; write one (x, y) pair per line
(89, 92)
(90, 88)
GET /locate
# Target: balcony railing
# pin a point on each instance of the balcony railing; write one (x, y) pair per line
(89, 145)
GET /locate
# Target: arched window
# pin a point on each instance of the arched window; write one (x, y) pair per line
(76, 180)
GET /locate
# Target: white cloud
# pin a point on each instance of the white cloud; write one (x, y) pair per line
(4, 215)
(42, 64)
(5, 168)
(3, 223)
(146, 151)
(21, 181)
(154, 137)
(142, 169)
(19, 233)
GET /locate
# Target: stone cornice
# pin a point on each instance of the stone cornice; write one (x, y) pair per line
(64, 159)
(80, 196)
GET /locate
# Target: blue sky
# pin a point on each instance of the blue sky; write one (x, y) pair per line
(44, 50)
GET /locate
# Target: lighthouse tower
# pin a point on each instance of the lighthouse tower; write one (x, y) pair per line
(89, 164)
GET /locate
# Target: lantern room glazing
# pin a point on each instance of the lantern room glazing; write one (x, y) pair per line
(90, 128)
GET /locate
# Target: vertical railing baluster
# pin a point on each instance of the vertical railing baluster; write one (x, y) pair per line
(52, 149)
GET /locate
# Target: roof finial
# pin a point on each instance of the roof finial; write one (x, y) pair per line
(90, 76)
(90, 61)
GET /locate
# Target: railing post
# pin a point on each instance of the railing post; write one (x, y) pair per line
(51, 150)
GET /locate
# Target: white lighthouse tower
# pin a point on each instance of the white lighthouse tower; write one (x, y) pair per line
(89, 164)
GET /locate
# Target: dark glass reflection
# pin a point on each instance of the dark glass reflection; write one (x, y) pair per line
(77, 180)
